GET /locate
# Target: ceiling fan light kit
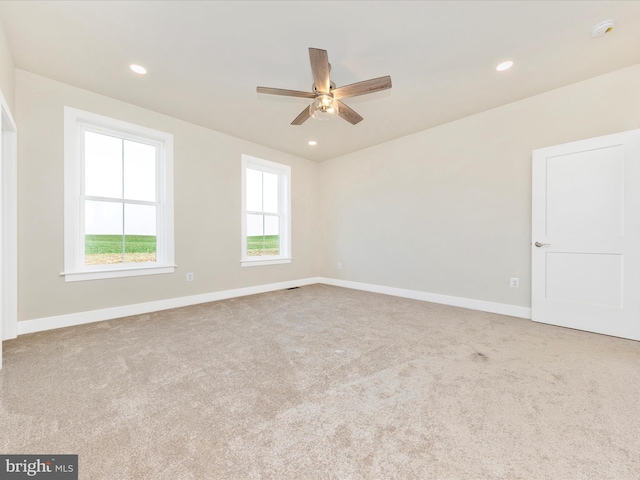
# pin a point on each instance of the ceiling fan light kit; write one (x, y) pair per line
(324, 107)
(327, 102)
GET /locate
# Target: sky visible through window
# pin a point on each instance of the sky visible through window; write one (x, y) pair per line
(262, 196)
(119, 169)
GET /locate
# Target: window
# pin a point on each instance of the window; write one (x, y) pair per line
(266, 222)
(118, 198)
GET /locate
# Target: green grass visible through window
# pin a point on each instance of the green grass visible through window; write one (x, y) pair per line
(107, 249)
(263, 245)
(113, 244)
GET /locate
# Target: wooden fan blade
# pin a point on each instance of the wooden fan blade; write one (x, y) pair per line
(348, 113)
(362, 88)
(303, 117)
(320, 69)
(286, 93)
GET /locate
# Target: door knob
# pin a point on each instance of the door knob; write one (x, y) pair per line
(538, 244)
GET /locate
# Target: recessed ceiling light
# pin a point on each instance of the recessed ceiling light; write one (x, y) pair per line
(138, 69)
(312, 142)
(504, 66)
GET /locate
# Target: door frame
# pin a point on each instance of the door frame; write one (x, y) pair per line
(8, 225)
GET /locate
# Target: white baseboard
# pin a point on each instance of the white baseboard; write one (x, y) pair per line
(483, 306)
(71, 319)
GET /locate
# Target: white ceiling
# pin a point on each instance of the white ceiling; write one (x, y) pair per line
(205, 59)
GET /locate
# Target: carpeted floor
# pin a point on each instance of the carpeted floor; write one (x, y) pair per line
(325, 383)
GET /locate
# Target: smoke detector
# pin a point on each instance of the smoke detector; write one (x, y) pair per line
(602, 28)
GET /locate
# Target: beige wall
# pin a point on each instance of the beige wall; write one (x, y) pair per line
(448, 210)
(207, 208)
(6, 70)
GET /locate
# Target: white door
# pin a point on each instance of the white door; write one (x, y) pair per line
(586, 235)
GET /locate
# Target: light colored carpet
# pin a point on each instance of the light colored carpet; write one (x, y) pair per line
(325, 383)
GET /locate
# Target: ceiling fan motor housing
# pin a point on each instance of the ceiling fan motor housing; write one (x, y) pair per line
(332, 85)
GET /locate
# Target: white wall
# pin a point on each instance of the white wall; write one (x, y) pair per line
(207, 208)
(448, 210)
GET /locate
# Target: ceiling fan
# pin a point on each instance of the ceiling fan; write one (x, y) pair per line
(327, 98)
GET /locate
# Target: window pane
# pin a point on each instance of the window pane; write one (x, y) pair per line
(139, 233)
(271, 235)
(255, 225)
(262, 235)
(270, 192)
(102, 165)
(271, 225)
(139, 171)
(255, 234)
(254, 190)
(103, 233)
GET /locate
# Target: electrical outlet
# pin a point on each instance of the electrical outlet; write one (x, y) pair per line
(339, 266)
(190, 277)
(514, 282)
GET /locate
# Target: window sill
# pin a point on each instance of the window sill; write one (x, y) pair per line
(246, 262)
(117, 272)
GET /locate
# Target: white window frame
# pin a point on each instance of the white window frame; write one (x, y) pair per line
(76, 122)
(284, 211)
